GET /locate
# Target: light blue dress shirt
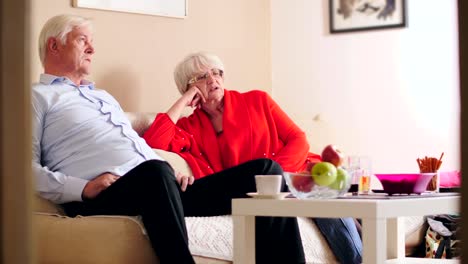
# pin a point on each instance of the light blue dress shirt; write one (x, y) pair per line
(79, 133)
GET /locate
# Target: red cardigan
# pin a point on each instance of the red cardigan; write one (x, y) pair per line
(254, 127)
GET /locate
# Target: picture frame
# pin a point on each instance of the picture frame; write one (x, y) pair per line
(167, 8)
(360, 15)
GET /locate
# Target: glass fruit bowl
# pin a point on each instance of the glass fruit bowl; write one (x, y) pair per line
(305, 186)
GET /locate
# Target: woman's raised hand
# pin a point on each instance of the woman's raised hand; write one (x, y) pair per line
(194, 97)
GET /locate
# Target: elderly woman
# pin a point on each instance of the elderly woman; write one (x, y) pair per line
(228, 128)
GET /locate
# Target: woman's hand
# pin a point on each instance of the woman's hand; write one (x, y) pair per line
(184, 180)
(94, 187)
(194, 97)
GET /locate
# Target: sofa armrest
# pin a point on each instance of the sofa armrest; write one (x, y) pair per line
(140, 121)
(176, 161)
(92, 239)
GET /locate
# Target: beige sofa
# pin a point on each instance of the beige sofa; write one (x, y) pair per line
(122, 239)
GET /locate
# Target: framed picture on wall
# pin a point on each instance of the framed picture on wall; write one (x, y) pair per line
(358, 15)
(169, 8)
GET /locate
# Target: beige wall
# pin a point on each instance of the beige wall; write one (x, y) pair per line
(390, 94)
(136, 54)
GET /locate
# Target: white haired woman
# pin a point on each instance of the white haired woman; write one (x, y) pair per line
(228, 128)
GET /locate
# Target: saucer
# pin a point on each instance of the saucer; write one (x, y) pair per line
(268, 196)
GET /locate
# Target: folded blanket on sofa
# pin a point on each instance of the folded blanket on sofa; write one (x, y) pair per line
(212, 237)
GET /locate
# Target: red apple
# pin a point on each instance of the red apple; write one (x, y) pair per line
(302, 183)
(333, 155)
(310, 165)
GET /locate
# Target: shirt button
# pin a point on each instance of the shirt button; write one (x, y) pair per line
(180, 130)
(208, 167)
(273, 153)
(200, 154)
(183, 138)
(264, 154)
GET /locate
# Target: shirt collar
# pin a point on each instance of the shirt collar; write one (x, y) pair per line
(50, 79)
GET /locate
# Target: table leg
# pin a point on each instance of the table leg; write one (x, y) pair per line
(374, 238)
(244, 239)
(395, 238)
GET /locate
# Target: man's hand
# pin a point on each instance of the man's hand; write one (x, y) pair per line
(98, 184)
(184, 180)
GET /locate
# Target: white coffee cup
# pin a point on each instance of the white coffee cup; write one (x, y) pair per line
(268, 184)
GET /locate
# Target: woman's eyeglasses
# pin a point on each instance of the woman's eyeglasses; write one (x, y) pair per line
(204, 77)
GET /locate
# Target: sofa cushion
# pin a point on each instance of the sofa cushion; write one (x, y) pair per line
(103, 239)
(45, 206)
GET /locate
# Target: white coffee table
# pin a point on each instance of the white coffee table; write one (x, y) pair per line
(382, 227)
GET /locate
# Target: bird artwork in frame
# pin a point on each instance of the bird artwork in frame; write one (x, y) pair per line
(359, 15)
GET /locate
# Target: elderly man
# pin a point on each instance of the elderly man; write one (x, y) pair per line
(87, 157)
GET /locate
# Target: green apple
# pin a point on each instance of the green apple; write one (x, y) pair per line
(324, 173)
(342, 177)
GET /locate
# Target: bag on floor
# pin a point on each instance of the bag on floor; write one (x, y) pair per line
(443, 237)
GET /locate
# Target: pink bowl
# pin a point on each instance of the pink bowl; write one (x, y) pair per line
(407, 183)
